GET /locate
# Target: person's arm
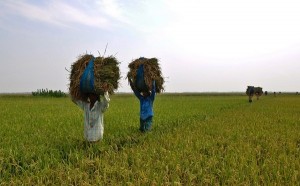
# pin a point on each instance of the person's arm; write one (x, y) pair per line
(136, 93)
(105, 102)
(79, 103)
(153, 91)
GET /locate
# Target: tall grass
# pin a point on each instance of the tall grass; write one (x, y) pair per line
(206, 140)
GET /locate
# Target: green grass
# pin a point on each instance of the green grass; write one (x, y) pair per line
(196, 140)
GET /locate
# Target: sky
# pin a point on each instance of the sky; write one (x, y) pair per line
(201, 45)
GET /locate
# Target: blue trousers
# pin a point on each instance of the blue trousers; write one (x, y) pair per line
(145, 125)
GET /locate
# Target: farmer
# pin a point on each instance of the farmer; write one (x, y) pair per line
(250, 91)
(93, 115)
(146, 106)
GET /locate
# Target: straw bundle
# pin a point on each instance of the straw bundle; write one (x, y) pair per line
(152, 72)
(258, 91)
(106, 74)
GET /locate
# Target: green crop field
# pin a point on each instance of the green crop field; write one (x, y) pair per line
(195, 140)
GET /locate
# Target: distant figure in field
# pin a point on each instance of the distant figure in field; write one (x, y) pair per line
(93, 115)
(274, 94)
(258, 92)
(266, 93)
(297, 93)
(251, 90)
(146, 99)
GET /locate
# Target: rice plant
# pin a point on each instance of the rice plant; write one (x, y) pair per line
(195, 140)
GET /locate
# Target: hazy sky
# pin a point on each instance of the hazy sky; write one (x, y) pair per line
(202, 45)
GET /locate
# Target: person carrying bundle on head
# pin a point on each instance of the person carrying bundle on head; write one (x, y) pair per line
(146, 80)
(91, 81)
(94, 109)
(146, 99)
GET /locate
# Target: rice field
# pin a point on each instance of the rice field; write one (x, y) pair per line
(195, 140)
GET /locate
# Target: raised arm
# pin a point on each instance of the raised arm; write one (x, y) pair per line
(79, 103)
(153, 90)
(136, 93)
(104, 104)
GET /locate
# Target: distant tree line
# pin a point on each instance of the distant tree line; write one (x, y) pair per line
(49, 93)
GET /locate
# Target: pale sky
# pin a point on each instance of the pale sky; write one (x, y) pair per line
(202, 45)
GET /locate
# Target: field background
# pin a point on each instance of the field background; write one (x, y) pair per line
(196, 140)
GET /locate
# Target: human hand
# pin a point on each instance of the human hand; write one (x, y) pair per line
(106, 96)
(130, 83)
(105, 87)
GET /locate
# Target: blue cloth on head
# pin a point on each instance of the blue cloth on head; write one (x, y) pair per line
(251, 90)
(140, 80)
(87, 78)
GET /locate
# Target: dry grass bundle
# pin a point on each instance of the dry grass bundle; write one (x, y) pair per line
(258, 91)
(152, 72)
(77, 69)
(106, 74)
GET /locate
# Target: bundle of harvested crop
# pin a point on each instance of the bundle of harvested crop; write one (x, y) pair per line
(104, 75)
(151, 71)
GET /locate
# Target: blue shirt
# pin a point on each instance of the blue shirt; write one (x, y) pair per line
(146, 103)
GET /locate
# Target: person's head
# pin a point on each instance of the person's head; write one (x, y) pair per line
(145, 93)
(93, 97)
